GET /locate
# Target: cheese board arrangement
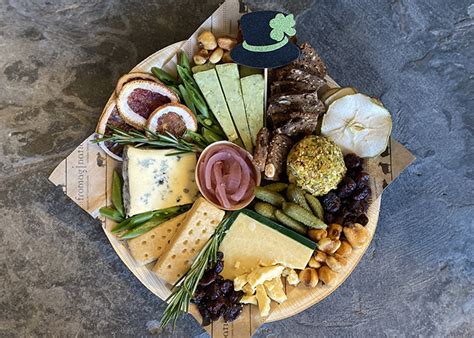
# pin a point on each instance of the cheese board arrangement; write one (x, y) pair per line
(233, 177)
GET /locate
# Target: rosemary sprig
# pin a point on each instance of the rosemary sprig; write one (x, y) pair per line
(178, 301)
(155, 140)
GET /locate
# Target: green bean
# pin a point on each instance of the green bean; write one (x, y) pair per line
(265, 209)
(269, 196)
(197, 99)
(121, 226)
(187, 100)
(145, 227)
(186, 76)
(111, 213)
(183, 60)
(302, 215)
(315, 205)
(117, 200)
(210, 136)
(295, 194)
(164, 76)
(277, 186)
(290, 222)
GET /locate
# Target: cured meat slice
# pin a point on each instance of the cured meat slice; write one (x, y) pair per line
(174, 118)
(110, 116)
(134, 76)
(139, 98)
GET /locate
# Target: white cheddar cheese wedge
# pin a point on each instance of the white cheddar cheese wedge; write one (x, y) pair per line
(275, 290)
(198, 226)
(153, 180)
(263, 301)
(255, 241)
(149, 246)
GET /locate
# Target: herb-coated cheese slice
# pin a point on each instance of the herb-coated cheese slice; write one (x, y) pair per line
(210, 87)
(230, 81)
(149, 246)
(198, 226)
(153, 180)
(253, 241)
(253, 90)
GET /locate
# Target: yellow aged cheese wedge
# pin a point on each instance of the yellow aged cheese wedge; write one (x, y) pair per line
(249, 299)
(239, 282)
(255, 241)
(198, 226)
(149, 246)
(275, 290)
(248, 289)
(263, 301)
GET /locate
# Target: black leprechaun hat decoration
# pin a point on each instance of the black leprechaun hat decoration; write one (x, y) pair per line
(266, 40)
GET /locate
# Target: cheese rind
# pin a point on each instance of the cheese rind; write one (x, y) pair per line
(230, 82)
(149, 246)
(210, 87)
(153, 180)
(253, 91)
(198, 226)
(255, 243)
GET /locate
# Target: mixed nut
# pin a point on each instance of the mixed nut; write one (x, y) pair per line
(212, 49)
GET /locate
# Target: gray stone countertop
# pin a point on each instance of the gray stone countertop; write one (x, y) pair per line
(59, 62)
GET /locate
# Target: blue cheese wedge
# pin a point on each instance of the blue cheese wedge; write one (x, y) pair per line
(255, 241)
(210, 87)
(151, 245)
(153, 180)
(253, 91)
(200, 223)
(230, 82)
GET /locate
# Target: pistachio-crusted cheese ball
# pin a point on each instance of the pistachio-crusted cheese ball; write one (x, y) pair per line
(316, 164)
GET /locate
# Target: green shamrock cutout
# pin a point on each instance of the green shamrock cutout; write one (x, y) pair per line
(282, 25)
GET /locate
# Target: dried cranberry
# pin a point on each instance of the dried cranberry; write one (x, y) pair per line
(331, 202)
(362, 179)
(199, 295)
(362, 219)
(215, 306)
(352, 161)
(349, 221)
(227, 286)
(328, 217)
(208, 277)
(235, 296)
(219, 266)
(214, 291)
(362, 194)
(233, 312)
(346, 187)
(220, 255)
(206, 316)
(357, 208)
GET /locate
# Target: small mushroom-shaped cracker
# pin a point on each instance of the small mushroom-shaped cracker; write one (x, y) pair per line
(317, 234)
(309, 277)
(326, 275)
(345, 249)
(328, 245)
(334, 231)
(201, 57)
(320, 256)
(207, 40)
(216, 55)
(357, 235)
(226, 58)
(226, 42)
(313, 263)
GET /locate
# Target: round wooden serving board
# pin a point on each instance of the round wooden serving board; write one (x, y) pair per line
(299, 298)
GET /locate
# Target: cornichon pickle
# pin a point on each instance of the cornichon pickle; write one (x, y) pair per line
(269, 196)
(295, 194)
(290, 222)
(265, 209)
(315, 205)
(277, 186)
(302, 215)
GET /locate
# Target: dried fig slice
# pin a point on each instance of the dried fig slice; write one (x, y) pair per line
(134, 76)
(174, 118)
(139, 98)
(111, 116)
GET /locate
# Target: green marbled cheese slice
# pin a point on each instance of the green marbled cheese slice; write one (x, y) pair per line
(253, 90)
